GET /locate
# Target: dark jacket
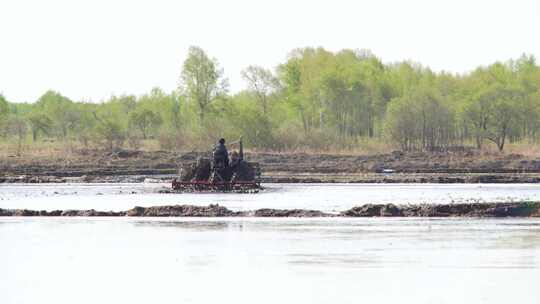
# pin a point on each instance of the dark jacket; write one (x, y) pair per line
(221, 155)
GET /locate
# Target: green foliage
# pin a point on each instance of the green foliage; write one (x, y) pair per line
(39, 123)
(247, 119)
(4, 111)
(315, 99)
(202, 80)
(17, 127)
(4, 107)
(111, 132)
(420, 120)
(144, 120)
(262, 83)
(61, 110)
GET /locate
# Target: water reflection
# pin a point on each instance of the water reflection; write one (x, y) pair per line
(320, 260)
(191, 225)
(342, 260)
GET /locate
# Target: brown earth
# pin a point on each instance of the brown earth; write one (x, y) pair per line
(135, 166)
(514, 209)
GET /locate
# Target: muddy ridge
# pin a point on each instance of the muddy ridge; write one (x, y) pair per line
(513, 209)
(395, 167)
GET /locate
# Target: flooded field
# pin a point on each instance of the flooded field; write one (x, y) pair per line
(256, 260)
(239, 260)
(324, 197)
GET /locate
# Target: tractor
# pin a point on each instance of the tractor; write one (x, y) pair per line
(205, 175)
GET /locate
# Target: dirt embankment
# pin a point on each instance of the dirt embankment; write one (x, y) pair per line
(521, 209)
(396, 167)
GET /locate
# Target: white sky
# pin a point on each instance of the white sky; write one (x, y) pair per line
(92, 49)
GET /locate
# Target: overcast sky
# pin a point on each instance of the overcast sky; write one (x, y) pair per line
(92, 49)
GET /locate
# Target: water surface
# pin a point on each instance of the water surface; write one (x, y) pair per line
(246, 260)
(255, 260)
(324, 197)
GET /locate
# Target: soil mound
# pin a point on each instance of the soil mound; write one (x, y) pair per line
(522, 209)
(182, 210)
(518, 209)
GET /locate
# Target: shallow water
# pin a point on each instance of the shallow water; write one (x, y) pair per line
(246, 260)
(324, 197)
(253, 260)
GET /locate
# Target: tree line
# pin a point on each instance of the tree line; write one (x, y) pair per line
(316, 99)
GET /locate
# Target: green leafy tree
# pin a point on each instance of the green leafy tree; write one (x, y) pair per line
(246, 119)
(144, 120)
(317, 99)
(262, 83)
(421, 120)
(110, 126)
(61, 110)
(4, 111)
(39, 123)
(4, 108)
(84, 130)
(503, 115)
(17, 127)
(202, 80)
(111, 132)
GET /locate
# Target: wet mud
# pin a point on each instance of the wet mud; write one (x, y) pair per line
(395, 167)
(511, 209)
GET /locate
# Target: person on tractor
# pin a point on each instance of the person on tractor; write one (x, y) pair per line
(221, 155)
(220, 168)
